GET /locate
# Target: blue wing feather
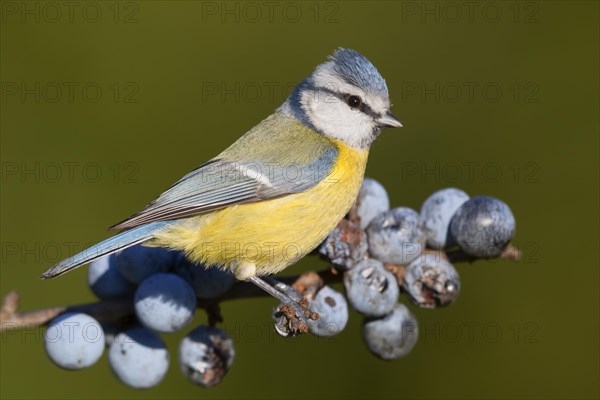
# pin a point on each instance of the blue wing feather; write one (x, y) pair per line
(221, 184)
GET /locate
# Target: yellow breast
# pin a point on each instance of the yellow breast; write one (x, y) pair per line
(276, 233)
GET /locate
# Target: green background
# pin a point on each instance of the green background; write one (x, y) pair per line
(167, 72)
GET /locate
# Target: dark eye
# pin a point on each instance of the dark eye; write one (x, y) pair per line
(354, 101)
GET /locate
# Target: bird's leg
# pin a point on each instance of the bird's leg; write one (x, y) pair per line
(286, 289)
(293, 306)
(273, 290)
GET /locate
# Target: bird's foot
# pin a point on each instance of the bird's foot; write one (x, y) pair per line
(292, 314)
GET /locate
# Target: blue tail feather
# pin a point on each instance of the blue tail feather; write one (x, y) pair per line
(115, 243)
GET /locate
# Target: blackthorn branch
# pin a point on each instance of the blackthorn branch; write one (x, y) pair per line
(111, 310)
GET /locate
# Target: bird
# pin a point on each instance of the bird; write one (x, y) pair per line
(275, 194)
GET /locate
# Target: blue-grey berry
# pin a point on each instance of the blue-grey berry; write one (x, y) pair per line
(436, 213)
(483, 227)
(345, 246)
(164, 303)
(206, 355)
(207, 283)
(333, 312)
(106, 282)
(372, 200)
(74, 340)
(371, 289)
(396, 236)
(430, 281)
(139, 358)
(392, 336)
(139, 262)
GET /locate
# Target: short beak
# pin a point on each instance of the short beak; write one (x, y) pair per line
(388, 120)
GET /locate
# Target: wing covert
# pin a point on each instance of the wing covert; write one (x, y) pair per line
(218, 184)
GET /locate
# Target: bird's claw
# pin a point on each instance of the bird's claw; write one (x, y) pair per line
(292, 317)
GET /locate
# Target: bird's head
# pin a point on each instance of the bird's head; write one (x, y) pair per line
(345, 98)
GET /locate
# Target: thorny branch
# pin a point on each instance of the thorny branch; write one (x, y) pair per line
(113, 310)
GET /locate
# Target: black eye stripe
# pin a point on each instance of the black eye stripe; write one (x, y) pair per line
(364, 107)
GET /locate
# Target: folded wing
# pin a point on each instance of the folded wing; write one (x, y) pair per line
(218, 184)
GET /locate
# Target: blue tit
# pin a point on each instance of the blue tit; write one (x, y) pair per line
(276, 193)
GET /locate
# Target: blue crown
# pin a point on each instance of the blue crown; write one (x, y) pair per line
(357, 70)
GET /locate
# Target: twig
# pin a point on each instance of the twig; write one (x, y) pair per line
(511, 253)
(113, 310)
(11, 319)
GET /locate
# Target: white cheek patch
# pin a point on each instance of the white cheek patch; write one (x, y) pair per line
(334, 118)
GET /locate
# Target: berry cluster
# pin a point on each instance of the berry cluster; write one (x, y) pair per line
(378, 252)
(382, 252)
(165, 289)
